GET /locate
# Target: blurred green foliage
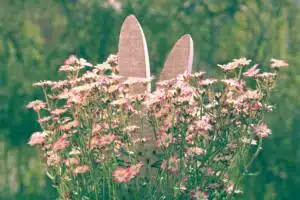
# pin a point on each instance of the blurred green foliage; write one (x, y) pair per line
(36, 36)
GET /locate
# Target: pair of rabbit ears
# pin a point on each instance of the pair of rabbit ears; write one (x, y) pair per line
(134, 59)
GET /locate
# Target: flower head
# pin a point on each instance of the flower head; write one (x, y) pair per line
(37, 138)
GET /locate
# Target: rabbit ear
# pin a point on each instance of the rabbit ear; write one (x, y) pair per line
(134, 62)
(133, 52)
(180, 59)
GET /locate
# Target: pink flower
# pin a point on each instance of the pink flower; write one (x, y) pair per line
(53, 159)
(172, 164)
(81, 169)
(71, 60)
(36, 105)
(58, 111)
(262, 130)
(44, 119)
(276, 64)
(61, 143)
(72, 161)
(124, 175)
(164, 140)
(106, 139)
(266, 75)
(198, 194)
(68, 126)
(37, 138)
(235, 64)
(207, 82)
(121, 175)
(195, 151)
(252, 71)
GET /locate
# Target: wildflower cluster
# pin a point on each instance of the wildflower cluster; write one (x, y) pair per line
(207, 131)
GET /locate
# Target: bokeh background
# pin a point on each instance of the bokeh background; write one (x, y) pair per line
(36, 36)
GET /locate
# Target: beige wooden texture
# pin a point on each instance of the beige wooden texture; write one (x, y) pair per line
(180, 59)
(134, 62)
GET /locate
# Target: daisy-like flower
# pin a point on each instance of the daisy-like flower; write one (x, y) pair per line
(61, 143)
(72, 161)
(262, 130)
(253, 71)
(53, 159)
(103, 140)
(121, 175)
(36, 105)
(198, 194)
(207, 82)
(37, 138)
(195, 151)
(59, 111)
(164, 140)
(81, 169)
(43, 83)
(276, 64)
(172, 164)
(235, 64)
(266, 75)
(68, 126)
(71, 60)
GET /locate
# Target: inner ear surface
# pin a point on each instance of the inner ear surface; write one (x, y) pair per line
(180, 59)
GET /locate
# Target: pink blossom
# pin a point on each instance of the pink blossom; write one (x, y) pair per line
(262, 130)
(53, 159)
(171, 164)
(71, 60)
(81, 169)
(207, 82)
(58, 111)
(164, 140)
(37, 138)
(61, 143)
(235, 64)
(253, 71)
(276, 64)
(72, 161)
(198, 194)
(36, 105)
(121, 175)
(195, 151)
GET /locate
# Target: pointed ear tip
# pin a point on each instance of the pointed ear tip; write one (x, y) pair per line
(131, 17)
(188, 36)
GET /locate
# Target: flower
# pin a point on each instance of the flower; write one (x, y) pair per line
(106, 139)
(195, 151)
(121, 175)
(207, 82)
(72, 161)
(61, 143)
(198, 194)
(81, 169)
(58, 111)
(53, 158)
(276, 64)
(124, 175)
(172, 164)
(252, 71)
(164, 140)
(37, 138)
(36, 105)
(70, 60)
(235, 64)
(262, 130)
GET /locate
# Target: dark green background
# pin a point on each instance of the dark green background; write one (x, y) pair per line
(36, 36)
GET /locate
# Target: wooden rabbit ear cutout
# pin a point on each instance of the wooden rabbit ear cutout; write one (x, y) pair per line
(133, 52)
(134, 62)
(180, 59)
